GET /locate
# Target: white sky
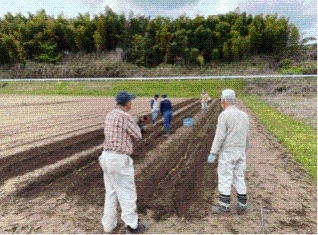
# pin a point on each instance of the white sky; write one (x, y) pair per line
(303, 13)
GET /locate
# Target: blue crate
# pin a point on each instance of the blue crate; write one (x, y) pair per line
(188, 122)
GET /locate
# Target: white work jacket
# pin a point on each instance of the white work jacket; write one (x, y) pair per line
(231, 132)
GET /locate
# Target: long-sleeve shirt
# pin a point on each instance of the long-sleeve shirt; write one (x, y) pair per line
(120, 131)
(204, 98)
(165, 105)
(231, 131)
(154, 104)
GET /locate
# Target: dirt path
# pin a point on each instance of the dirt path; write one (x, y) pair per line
(71, 200)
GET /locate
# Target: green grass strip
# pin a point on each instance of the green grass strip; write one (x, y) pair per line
(298, 138)
(173, 88)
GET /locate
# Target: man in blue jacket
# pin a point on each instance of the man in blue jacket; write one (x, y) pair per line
(166, 111)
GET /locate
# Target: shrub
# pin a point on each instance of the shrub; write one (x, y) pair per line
(292, 70)
(285, 64)
(200, 60)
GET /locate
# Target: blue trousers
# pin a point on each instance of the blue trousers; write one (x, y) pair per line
(167, 118)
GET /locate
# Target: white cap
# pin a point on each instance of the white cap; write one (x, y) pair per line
(228, 93)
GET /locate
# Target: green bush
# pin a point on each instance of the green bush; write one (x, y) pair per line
(215, 54)
(292, 70)
(309, 68)
(49, 53)
(200, 60)
(285, 64)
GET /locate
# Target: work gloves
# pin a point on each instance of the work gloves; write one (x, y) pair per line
(211, 158)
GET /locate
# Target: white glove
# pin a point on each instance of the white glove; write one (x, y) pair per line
(211, 158)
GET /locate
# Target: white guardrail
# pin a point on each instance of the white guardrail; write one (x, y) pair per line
(163, 78)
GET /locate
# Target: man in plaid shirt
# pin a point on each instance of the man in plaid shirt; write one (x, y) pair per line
(120, 131)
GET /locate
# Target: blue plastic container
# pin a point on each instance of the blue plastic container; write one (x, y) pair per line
(188, 122)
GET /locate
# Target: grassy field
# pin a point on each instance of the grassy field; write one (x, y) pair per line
(298, 138)
(173, 88)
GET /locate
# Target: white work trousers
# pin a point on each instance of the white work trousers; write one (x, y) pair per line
(231, 167)
(204, 105)
(119, 180)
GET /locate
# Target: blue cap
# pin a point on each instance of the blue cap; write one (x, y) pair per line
(123, 97)
(164, 96)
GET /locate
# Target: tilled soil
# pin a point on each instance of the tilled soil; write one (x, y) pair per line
(57, 187)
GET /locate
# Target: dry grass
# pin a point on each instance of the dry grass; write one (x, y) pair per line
(112, 65)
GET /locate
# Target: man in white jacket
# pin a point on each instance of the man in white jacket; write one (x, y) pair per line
(230, 143)
(154, 108)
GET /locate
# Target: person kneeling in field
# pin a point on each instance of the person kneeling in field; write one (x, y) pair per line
(140, 122)
(231, 142)
(119, 177)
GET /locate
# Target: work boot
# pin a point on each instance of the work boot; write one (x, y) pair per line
(219, 209)
(241, 204)
(141, 228)
(241, 208)
(224, 205)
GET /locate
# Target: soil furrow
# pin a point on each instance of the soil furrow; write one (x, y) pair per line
(68, 124)
(15, 165)
(174, 181)
(21, 163)
(34, 158)
(170, 185)
(154, 134)
(176, 187)
(44, 137)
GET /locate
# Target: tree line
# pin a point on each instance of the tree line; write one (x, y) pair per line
(145, 41)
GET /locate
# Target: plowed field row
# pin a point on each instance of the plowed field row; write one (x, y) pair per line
(42, 165)
(30, 124)
(169, 171)
(175, 179)
(55, 185)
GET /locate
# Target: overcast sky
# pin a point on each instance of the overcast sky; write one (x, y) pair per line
(303, 13)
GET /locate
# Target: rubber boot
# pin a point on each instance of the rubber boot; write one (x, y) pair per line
(168, 133)
(224, 205)
(241, 203)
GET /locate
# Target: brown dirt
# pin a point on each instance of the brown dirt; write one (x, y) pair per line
(294, 97)
(300, 108)
(54, 185)
(285, 86)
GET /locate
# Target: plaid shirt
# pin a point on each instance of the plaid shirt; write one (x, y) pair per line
(120, 131)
